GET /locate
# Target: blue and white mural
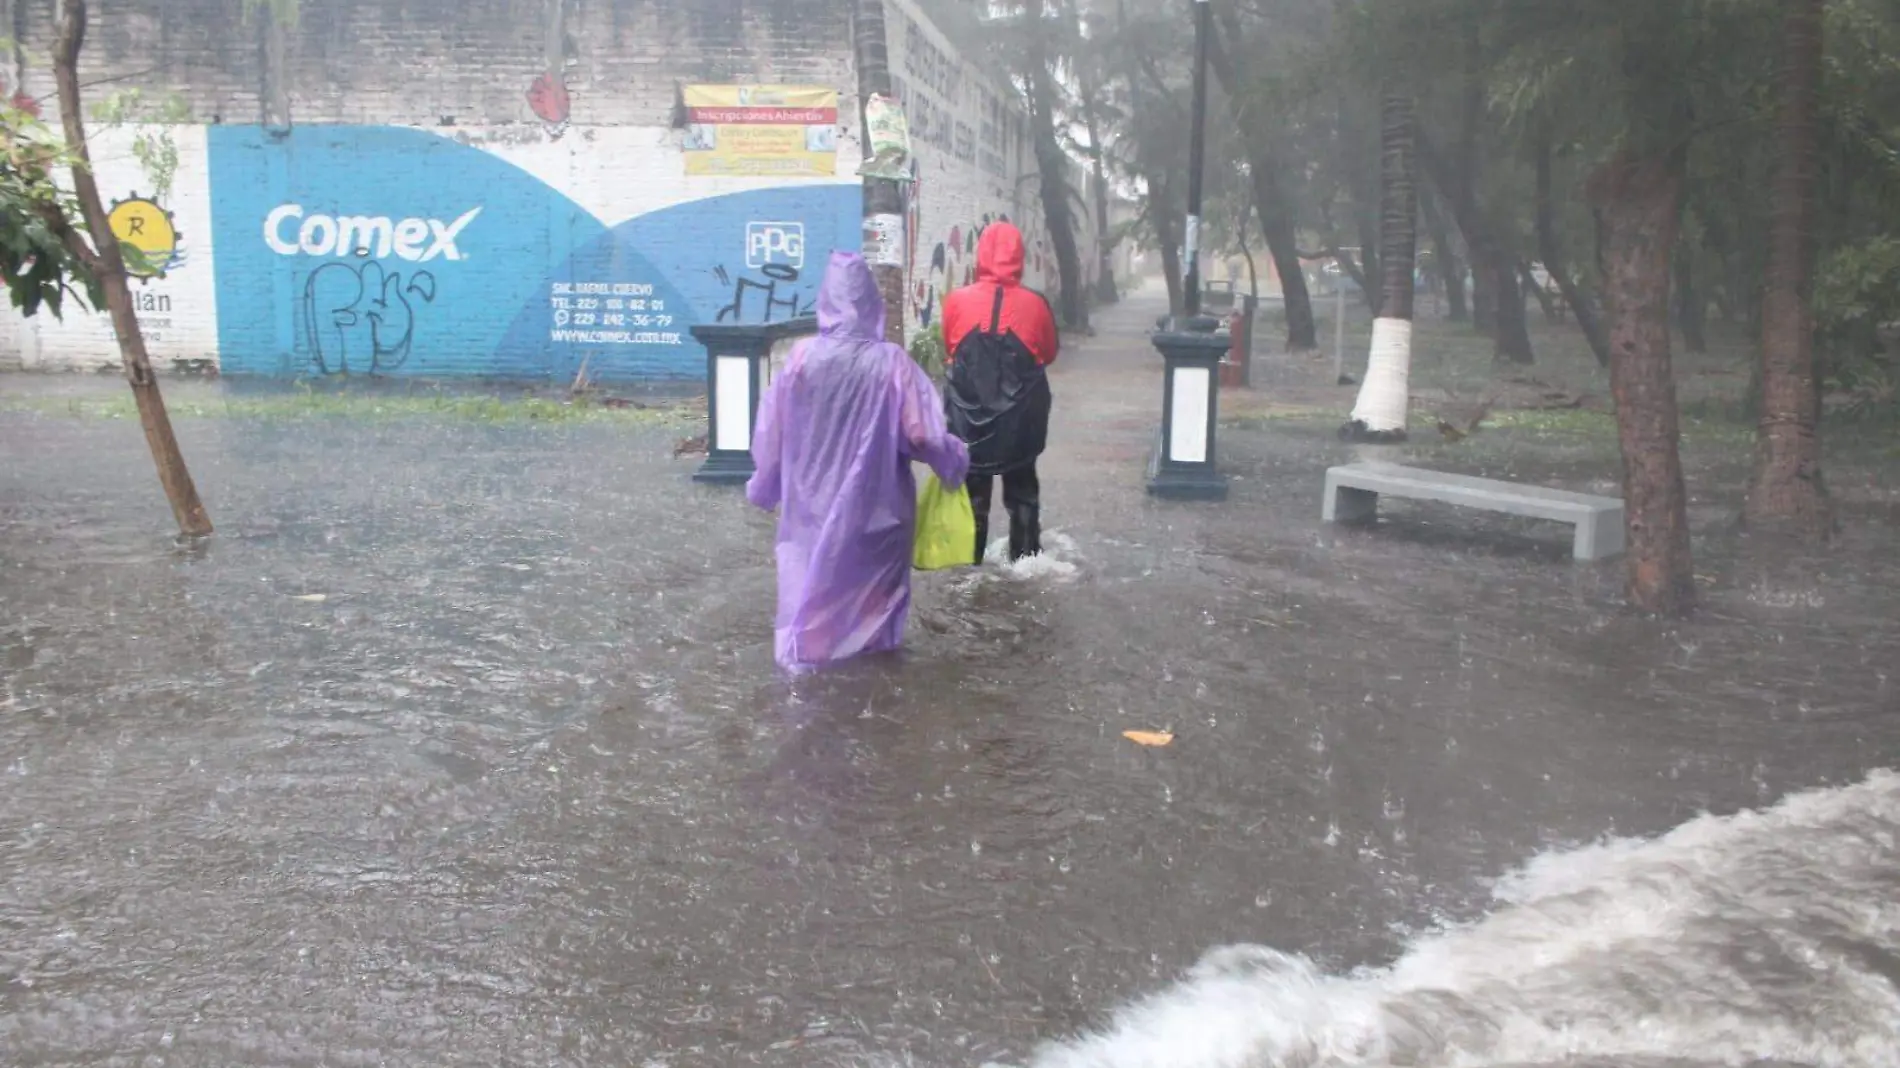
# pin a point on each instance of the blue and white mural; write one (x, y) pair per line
(397, 251)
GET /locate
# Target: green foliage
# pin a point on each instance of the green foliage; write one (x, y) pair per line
(1856, 292)
(152, 142)
(928, 350)
(37, 265)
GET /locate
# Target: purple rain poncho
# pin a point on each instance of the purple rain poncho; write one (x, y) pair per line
(836, 434)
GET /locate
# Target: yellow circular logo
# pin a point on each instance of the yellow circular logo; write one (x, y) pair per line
(147, 227)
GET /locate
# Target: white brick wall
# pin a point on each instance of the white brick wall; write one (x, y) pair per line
(463, 69)
(973, 164)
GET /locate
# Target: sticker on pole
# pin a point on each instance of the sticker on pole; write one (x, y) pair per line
(889, 134)
(884, 240)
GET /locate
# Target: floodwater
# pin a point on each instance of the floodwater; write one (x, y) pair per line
(460, 744)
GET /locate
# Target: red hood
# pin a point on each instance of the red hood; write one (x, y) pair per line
(999, 254)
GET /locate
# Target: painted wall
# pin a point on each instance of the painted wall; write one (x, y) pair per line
(511, 199)
(398, 251)
(973, 165)
(179, 310)
(389, 250)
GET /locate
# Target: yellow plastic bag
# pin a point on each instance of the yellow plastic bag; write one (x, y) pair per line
(946, 528)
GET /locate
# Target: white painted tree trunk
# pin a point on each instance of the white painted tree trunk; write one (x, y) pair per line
(1385, 396)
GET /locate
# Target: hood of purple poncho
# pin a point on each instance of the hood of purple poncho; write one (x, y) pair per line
(848, 300)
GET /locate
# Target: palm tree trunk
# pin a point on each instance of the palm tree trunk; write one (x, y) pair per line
(883, 198)
(108, 264)
(1385, 395)
(1788, 487)
(1637, 205)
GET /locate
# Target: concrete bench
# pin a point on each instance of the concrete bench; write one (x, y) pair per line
(1352, 495)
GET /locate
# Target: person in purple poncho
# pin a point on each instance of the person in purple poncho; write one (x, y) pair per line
(836, 435)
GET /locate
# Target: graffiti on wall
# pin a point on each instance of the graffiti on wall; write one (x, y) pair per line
(951, 262)
(361, 317)
(549, 99)
(769, 291)
(549, 95)
(397, 251)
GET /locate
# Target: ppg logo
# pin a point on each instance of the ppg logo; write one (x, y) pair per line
(775, 243)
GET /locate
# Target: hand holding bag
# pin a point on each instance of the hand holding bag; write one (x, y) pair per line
(946, 528)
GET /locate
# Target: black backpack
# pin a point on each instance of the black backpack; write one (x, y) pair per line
(997, 398)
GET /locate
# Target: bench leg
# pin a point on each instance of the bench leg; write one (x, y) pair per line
(1345, 504)
(1599, 538)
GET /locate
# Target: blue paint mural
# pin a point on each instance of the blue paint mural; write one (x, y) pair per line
(387, 250)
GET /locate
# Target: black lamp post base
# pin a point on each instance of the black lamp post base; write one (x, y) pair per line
(1188, 486)
(1184, 482)
(725, 469)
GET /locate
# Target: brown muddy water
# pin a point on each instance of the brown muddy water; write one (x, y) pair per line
(461, 744)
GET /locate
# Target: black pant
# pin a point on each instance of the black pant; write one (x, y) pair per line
(1022, 499)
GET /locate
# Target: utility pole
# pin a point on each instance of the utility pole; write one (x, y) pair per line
(1197, 156)
(883, 197)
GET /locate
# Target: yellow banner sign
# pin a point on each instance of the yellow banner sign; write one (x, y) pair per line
(786, 131)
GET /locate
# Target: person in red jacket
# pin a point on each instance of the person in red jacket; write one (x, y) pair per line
(1000, 336)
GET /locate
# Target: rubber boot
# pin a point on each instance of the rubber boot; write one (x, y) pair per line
(982, 538)
(1025, 532)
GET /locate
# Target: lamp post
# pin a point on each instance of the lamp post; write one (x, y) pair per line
(736, 377)
(1183, 466)
(1197, 154)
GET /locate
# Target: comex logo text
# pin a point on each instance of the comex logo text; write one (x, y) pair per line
(413, 239)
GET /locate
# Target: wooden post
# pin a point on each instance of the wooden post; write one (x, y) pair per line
(883, 197)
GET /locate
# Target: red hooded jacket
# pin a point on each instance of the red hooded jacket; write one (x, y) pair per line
(999, 262)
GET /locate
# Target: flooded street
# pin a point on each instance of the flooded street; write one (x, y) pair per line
(461, 744)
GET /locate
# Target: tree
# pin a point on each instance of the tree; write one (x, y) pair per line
(1267, 162)
(1470, 176)
(1052, 162)
(1788, 487)
(1385, 395)
(1637, 195)
(40, 267)
(1445, 261)
(1156, 142)
(99, 266)
(1556, 264)
(1095, 120)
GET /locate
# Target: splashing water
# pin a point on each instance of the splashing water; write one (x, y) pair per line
(1056, 561)
(1748, 940)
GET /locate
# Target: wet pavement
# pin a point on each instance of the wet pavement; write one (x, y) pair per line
(461, 744)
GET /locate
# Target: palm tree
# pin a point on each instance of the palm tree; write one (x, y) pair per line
(1385, 396)
(1788, 488)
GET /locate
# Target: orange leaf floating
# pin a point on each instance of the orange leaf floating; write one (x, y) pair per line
(1151, 738)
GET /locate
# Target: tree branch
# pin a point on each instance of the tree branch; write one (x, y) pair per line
(62, 228)
(66, 46)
